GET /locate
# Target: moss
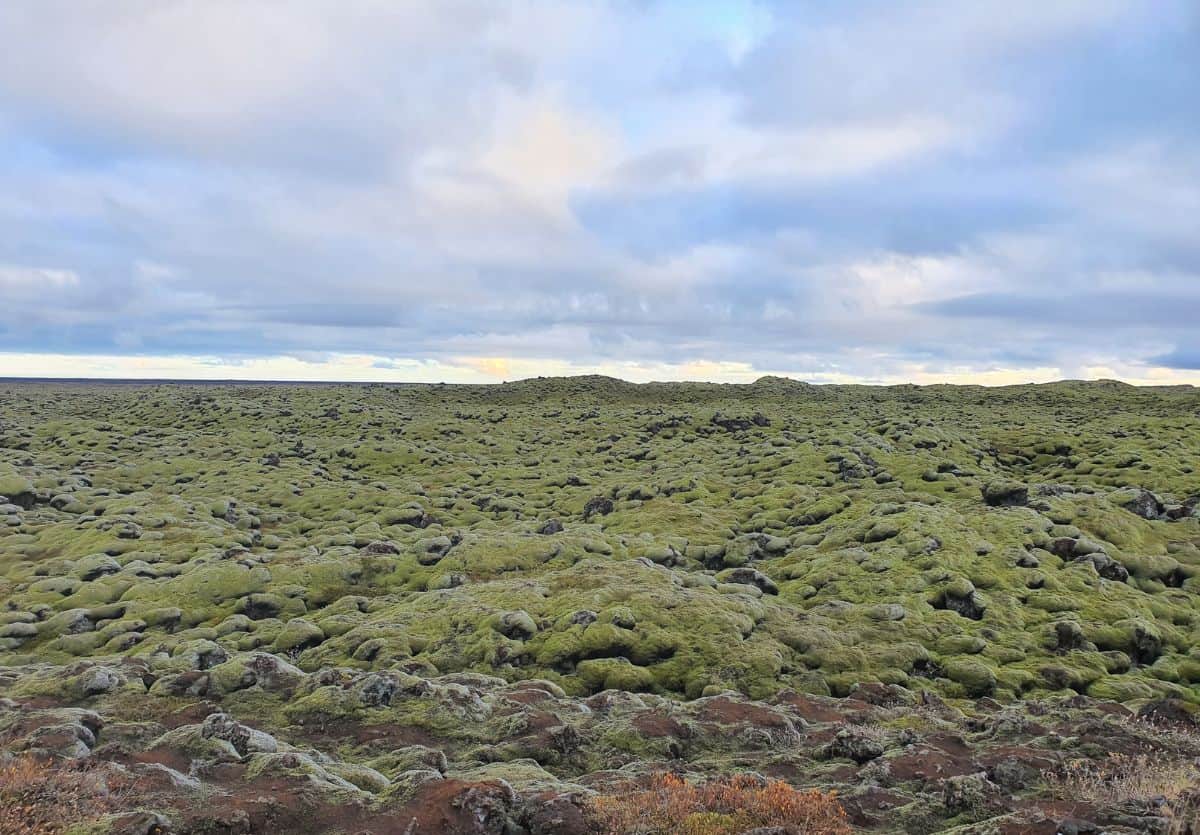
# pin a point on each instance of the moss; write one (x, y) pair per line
(613, 674)
(143, 820)
(961, 645)
(360, 776)
(256, 532)
(977, 679)
(325, 703)
(295, 765)
(298, 634)
(1137, 638)
(1123, 690)
(15, 487)
(882, 530)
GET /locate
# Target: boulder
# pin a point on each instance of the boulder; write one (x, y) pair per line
(597, 506)
(1141, 503)
(244, 739)
(381, 547)
(853, 743)
(99, 680)
(1105, 566)
(517, 625)
(431, 550)
(1005, 493)
(969, 793)
(749, 577)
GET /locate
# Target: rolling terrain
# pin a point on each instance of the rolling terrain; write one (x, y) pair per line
(478, 609)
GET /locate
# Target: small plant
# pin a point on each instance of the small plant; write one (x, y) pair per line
(41, 797)
(1185, 813)
(1122, 778)
(670, 805)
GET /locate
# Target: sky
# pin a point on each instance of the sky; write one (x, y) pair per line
(865, 191)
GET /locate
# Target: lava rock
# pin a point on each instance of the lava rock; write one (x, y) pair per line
(968, 792)
(854, 744)
(1005, 494)
(597, 506)
(552, 526)
(100, 680)
(382, 548)
(749, 577)
(516, 625)
(1143, 503)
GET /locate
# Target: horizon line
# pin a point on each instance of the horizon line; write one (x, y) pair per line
(226, 381)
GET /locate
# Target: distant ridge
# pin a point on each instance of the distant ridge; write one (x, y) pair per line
(769, 384)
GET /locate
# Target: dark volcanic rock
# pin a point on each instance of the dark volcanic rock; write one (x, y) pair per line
(381, 548)
(1145, 504)
(740, 424)
(969, 793)
(750, 577)
(1105, 566)
(597, 506)
(1171, 712)
(855, 744)
(552, 526)
(1005, 493)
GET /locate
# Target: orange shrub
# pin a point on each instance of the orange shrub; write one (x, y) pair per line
(39, 797)
(672, 806)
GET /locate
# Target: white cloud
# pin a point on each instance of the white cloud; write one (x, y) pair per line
(647, 187)
(833, 151)
(892, 280)
(365, 368)
(195, 73)
(153, 272)
(548, 152)
(36, 278)
(540, 152)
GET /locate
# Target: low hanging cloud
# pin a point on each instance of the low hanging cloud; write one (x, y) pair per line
(471, 190)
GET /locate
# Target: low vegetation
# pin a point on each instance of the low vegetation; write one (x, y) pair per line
(43, 797)
(670, 805)
(399, 598)
(1120, 779)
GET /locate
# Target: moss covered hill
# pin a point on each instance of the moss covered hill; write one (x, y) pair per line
(171, 545)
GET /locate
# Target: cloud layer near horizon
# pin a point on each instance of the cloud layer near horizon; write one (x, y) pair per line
(460, 189)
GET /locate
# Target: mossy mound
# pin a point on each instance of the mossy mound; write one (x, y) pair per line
(666, 538)
(416, 593)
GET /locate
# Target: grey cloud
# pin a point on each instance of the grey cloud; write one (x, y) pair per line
(1148, 308)
(1187, 358)
(338, 191)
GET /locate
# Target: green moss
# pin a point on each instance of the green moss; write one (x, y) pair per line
(977, 679)
(14, 486)
(613, 674)
(273, 553)
(298, 634)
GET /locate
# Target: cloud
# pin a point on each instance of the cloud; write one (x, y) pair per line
(36, 278)
(1185, 358)
(719, 188)
(365, 368)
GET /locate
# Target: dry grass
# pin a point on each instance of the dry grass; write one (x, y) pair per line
(1122, 778)
(672, 806)
(39, 797)
(1164, 735)
(1185, 813)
